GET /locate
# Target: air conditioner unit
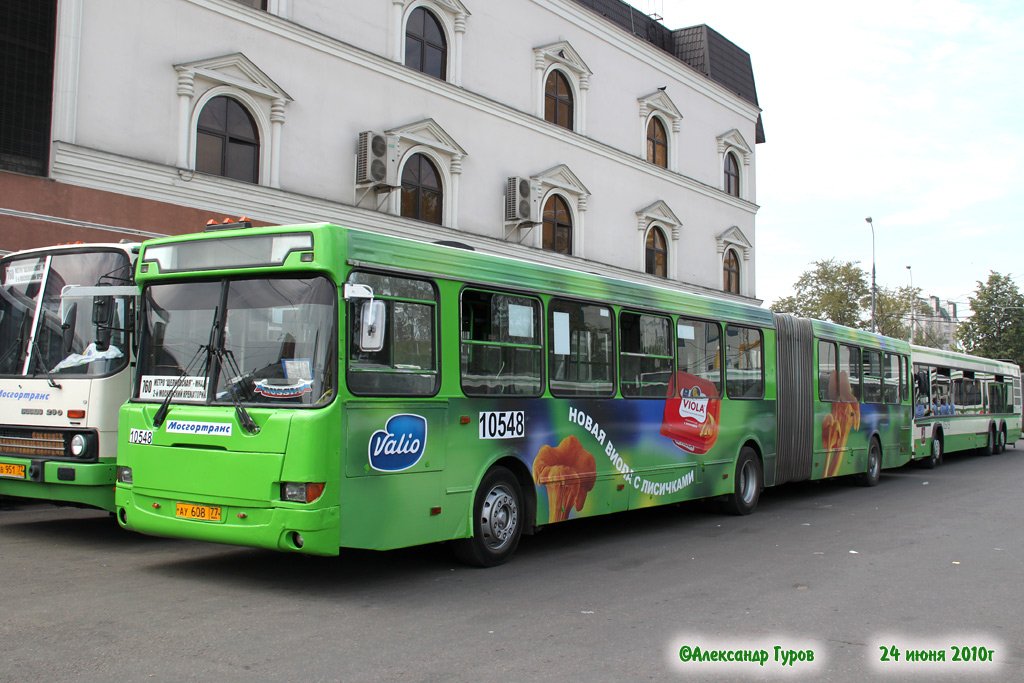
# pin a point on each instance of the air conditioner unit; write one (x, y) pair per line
(372, 159)
(518, 200)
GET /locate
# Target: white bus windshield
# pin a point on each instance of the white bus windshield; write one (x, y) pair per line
(33, 341)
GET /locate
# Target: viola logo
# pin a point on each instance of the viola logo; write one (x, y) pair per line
(400, 445)
(692, 404)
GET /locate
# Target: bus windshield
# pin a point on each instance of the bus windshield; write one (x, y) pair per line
(250, 341)
(32, 315)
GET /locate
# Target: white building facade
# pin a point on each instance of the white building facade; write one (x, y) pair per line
(539, 128)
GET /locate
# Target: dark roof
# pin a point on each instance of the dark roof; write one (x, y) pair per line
(721, 60)
(701, 47)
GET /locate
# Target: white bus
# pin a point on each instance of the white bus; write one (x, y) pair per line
(963, 402)
(66, 319)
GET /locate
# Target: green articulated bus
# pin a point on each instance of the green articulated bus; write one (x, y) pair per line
(963, 402)
(66, 314)
(309, 388)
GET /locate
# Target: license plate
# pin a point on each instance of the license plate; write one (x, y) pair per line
(203, 513)
(9, 470)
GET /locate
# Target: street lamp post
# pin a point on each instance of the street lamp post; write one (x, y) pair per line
(873, 288)
(913, 304)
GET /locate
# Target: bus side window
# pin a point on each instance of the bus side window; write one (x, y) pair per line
(500, 349)
(580, 347)
(699, 351)
(849, 362)
(828, 367)
(645, 355)
(872, 377)
(406, 362)
(744, 369)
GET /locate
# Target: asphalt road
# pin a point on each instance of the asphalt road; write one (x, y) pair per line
(925, 561)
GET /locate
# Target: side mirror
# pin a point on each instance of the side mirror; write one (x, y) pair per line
(371, 326)
(102, 311)
(68, 327)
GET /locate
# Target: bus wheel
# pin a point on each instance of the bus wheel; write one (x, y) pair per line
(497, 521)
(935, 459)
(747, 483)
(990, 443)
(874, 471)
(1001, 440)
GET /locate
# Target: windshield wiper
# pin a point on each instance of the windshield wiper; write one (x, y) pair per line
(227, 359)
(38, 358)
(161, 414)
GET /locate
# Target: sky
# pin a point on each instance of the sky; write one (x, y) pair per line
(908, 111)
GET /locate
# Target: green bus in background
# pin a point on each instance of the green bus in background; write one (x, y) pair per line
(963, 403)
(307, 388)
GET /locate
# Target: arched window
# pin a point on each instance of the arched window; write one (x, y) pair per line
(421, 190)
(557, 226)
(558, 102)
(426, 49)
(732, 175)
(731, 272)
(656, 253)
(657, 143)
(227, 141)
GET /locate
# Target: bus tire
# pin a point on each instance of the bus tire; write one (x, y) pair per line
(747, 484)
(1001, 439)
(497, 521)
(990, 442)
(935, 458)
(873, 473)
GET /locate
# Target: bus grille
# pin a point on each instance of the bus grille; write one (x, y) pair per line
(18, 442)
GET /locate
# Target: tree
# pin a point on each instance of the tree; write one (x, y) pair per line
(996, 330)
(893, 309)
(832, 291)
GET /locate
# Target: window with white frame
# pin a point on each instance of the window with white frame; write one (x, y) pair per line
(658, 229)
(429, 168)
(661, 122)
(563, 207)
(427, 35)
(735, 156)
(227, 140)
(561, 81)
(656, 252)
(735, 251)
(230, 118)
(422, 193)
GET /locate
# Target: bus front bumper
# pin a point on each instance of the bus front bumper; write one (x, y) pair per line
(59, 481)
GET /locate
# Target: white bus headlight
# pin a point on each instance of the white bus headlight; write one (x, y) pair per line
(78, 445)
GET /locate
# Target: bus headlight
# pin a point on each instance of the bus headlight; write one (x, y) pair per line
(78, 445)
(124, 475)
(296, 492)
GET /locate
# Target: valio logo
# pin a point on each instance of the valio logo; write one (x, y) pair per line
(400, 445)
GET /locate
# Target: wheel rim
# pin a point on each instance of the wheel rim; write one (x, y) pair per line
(499, 517)
(874, 467)
(747, 483)
(936, 450)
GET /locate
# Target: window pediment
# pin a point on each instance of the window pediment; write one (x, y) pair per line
(734, 237)
(562, 178)
(234, 70)
(660, 213)
(563, 54)
(661, 102)
(734, 139)
(453, 7)
(429, 134)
